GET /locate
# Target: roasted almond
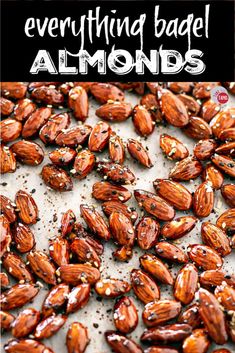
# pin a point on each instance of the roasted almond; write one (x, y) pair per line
(83, 164)
(167, 334)
(154, 205)
(198, 129)
(78, 298)
(25, 322)
(226, 221)
(138, 152)
(187, 169)
(7, 208)
(78, 102)
(23, 109)
(10, 129)
(62, 156)
(105, 191)
(190, 316)
(53, 127)
(114, 111)
(56, 178)
(7, 160)
(150, 102)
(173, 148)
(6, 320)
(223, 120)
(159, 312)
(227, 134)
(142, 120)
(112, 287)
(6, 106)
(213, 175)
(27, 208)
(77, 338)
(18, 295)
(23, 237)
(180, 87)
(204, 149)
(16, 90)
(203, 199)
(5, 235)
(173, 109)
(4, 280)
(121, 344)
(125, 315)
(178, 227)
(212, 316)
(40, 264)
(170, 252)
(111, 206)
(59, 251)
(47, 95)
(147, 233)
(16, 267)
(209, 110)
(49, 326)
(216, 238)
(202, 90)
(144, 287)
(67, 222)
(228, 193)
(191, 104)
(33, 85)
(104, 92)
(153, 87)
(75, 274)
(186, 284)
(85, 252)
(212, 278)
(124, 253)
(156, 268)
(95, 222)
(36, 120)
(227, 148)
(55, 299)
(73, 136)
(204, 257)
(197, 342)
(225, 163)
(116, 149)
(122, 229)
(99, 137)
(26, 345)
(161, 349)
(117, 173)
(28, 152)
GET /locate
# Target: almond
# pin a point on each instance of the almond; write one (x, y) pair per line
(213, 175)
(6, 320)
(226, 221)
(225, 296)
(227, 134)
(215, 278)
(187, 169)
(25, 322)
(36, 120)
(99, 137)
(49, 326)
(42, 267)
(94, 243)
(95, 222)
(221, 350)
(178, 227)
(125, 315)
(228, 193)
(119, 174)
(121, 344)
(223, 120)
(209, 110)
(111, 206)
(216, 238)
(78, 102)
(138, 152)
(173, 109)
(18, 295)
(225, 163)
(154, 205)
(190, 316)
(10, 129)
(23, 237)
(153, 87)
(73, 136)
(7, 160)
(204, 149)
(85, 252)
(191, 104)
(159, 312)
(67, 222)
(175, 193)
(6, 106)
(227, 148)
(203, 89)
(160, 349)
(78, 298)
(7, 208)
(198, 129)
(53, 127)
(114, 111)
(23, 109)
(28, 210)
(212, 316)
(16, 90)
(142, 121)
(203, 199)
(111, 287)
(62, 156)
(104, 92)
(5, 235)
(116, 149)
(124, 253)
(33, 85)
(4, 280)
(28, 152)
(144, 287)
(105, 191)
(47, 95)
(170, 252)
(77, 338)
(167, 334)
(150, 102)
(83, 164)
(15, 266)
(173, 148)
(122, 229)
(186, 284)
(204, 257)
(56, 178)
(59, 251)
(180, 87)
(156, 268)
(55, 299)
(78, 273)
(197, 342)
(26, 345)
(147, 233)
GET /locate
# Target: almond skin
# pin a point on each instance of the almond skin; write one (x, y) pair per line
(112, 287)
(209, 110)
(225, 163)
(204, 257)
(154, 205)
(226, 221)
(5, 239)
(170, 252)
(197, 342)
(159, 312)
(18, 295)
(192, 106)
(42, 267)
(227, 148)
(225, 295)
(55, 299)
(99, 137)
(53, 127)
(227, 134)
(142, 121)
(173, 148)
(121, 229)
(125, 315)
(144, 287)
(28, 210)
(156, 268)
(77, 338)
(78, 102)
(73, 136)
(173, 109)
(114, 111)
(119, 174)
(94, 243)
(186, 284)
(78, 298)
(187, 169)
(6, 106)
(203, 200)
(10, 129)
(228, 193)
(59, 251)
(147, 233)
(105, 191)
(47, 95)
(23, 237)
(23, 109)
(95, 222)
(223, 120)
(121, 344)
(7, 208)
(212, 316)
(28, 152)
(4, 280)
(190, 316)
(116, 149)
(139, 153)
(25, 322)
(150, 102)
(83, 164)
(24, 345)
(7, 160)
(104, 92)
(6, 320)
(204, 149)
(62, 156)
(49, 326)
(213, 175)
(178, 227)
(75, 274)
(67, 222)
(16, 267)
(212, 278)
(198, 129)
(216, 238)
(36, 120)
(56, 178)
(111, 206)
(167, 334)
(85, 252)
(16, 90)
(203, 89)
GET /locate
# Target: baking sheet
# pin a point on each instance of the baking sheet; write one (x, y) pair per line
(97, 315)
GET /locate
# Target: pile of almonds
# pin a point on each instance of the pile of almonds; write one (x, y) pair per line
(203, 308)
